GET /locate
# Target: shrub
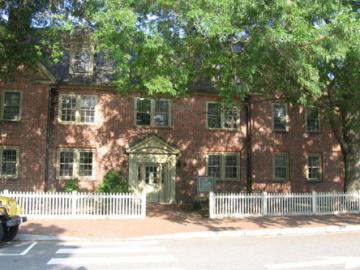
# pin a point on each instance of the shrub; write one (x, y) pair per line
(71, 185)
(114, 182)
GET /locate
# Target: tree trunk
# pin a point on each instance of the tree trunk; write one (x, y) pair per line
(352, 168)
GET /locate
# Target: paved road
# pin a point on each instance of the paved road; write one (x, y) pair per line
(330, 252)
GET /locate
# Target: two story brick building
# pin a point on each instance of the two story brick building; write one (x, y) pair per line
(57, 124)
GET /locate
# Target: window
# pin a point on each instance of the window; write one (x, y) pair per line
(314, 167)
(312, 119)
(9, 158)
(281, 167)
(280, 117)
(214, 166)
(76, 163)
(81, 60)
(77, 109)
(224, 166)
(222, 117)
(152, 112)
(67, 159)
(11, 105)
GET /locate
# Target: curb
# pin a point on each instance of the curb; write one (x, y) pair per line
(206, 234)
(254, 233)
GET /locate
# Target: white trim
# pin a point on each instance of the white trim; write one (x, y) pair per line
(3, 105)
(275, 179)
(17, 165)
(76, 164)
(222, 116)
(152, 112)
(77, 109)
(306, 109)
(318, 155)
(286, 117)
(223, 165)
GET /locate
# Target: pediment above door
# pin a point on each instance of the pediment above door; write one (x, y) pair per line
(152, 145)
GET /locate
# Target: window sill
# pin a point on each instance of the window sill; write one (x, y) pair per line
(314, 181)
(281, 130)
(227, 179)
(14, 177)
(224, 129)
(10, 121)
(152, 127)
(280, 181)
(76, 123)
(87, 179)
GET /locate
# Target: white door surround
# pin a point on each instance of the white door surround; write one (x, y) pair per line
(152, 169)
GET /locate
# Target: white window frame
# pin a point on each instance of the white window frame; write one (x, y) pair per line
(3, 105)
(152, 112)
(76, 164)
(78, 109)
(89, 49)
(286, 117)
(276, 179)
(306, 120)
(17, 149)
(307, 168)
(223, 165)
(222, 116)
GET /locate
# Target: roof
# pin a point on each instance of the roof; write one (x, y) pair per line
(102, 75)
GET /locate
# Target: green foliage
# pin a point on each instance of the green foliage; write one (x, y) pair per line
(114, 182)
(71, 185)
(304, 51)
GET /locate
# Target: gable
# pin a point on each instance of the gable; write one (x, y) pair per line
(152, 145)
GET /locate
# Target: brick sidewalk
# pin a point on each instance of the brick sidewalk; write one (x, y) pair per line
(163, 220)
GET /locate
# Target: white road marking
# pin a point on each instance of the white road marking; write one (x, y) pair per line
(81, 261)
(26, 251)
(110, 243)
(23, 253)
(349, 262)
(299, 265)
(109, 250)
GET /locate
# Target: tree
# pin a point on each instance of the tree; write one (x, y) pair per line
(31, 31)
(303, 50)
(306, 51)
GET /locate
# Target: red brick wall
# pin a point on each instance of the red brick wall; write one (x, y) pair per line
(297, 143)
(115, 129)
(29, 135)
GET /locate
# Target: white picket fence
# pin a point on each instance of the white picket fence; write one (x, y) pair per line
(80, 205)
(277, 204)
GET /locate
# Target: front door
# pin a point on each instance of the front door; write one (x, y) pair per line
(153, 179)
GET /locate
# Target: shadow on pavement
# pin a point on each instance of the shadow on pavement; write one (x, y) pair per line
(185, 215)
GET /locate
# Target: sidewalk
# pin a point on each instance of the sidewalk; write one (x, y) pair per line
(167, 221)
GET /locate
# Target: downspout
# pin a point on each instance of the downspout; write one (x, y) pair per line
(48, 143)
(248, 146)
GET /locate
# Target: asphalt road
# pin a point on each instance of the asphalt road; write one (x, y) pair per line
(320, 252)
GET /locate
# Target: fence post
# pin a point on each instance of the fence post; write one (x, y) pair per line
(264, 203)
(211, 204)
(143, 204)
(6, 192)
(314, 206)
(73, 202)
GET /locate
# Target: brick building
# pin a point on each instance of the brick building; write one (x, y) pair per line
(59, 124)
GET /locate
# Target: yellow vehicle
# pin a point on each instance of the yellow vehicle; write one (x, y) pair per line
(10, 219)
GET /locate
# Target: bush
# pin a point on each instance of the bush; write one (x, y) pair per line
(72, 185)
(114, 182)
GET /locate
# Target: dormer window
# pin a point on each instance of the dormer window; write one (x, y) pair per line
(82, 61)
